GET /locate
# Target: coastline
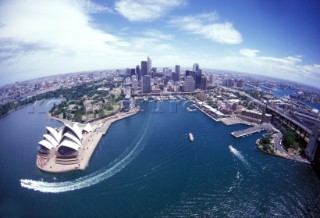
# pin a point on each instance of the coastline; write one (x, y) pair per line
(89, 144)
(287, 156)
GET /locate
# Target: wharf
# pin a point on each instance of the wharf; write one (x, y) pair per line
(258, 128)
(89, 143)
(215, 119)
(234, 120)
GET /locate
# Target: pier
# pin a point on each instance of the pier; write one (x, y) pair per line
(258, 128)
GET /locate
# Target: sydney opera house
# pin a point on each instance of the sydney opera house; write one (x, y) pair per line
(64, 143)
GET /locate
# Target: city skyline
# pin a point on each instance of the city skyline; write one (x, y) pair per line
(276, 39)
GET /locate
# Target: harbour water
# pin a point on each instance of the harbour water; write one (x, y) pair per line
(279, 92)
(146, 166)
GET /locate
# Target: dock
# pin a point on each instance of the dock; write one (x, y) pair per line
(258, 128)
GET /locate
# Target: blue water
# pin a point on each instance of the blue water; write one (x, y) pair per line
(146, 166)
(282, 93)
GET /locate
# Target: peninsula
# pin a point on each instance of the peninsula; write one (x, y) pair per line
(71, 147)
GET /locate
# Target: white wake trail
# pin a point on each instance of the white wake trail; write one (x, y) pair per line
(239, 155)
(91, 179)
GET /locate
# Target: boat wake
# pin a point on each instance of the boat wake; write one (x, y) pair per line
(239, 156)
(92, 179)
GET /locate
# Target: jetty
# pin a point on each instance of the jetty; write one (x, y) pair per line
(257, 128)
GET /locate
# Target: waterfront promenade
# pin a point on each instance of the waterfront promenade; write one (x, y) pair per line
(89, 143)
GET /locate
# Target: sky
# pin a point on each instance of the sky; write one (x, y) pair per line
(276, 38)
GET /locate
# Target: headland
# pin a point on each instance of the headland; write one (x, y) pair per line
(52, 164)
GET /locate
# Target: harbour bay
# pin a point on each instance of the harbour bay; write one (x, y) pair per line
(146, 166)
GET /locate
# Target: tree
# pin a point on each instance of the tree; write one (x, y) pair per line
(265, 140)
(101, 113)
(290, 136)
(77, 117)
(109, 106)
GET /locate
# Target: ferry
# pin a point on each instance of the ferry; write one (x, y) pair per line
(191, 138)
(25, 182)
(232, 148)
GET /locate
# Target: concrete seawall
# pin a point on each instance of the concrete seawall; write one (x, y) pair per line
(89, 143)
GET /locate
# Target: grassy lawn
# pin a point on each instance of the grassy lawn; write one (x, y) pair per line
(115, 108)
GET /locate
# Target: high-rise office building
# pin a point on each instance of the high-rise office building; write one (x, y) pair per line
(211, 79)
(134, 84)
(128, 71)
(195, 67)
(144, 68)
(198, 78)
(149, 65)
(203, 85)
(133, 72)
(175, 76)
(177, 70)
(228, 83)
(191, 73)
(138, 72)
(167, 79)
(189, 84)
(146, 84)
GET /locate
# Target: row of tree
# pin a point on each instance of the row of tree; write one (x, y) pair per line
(74, 93)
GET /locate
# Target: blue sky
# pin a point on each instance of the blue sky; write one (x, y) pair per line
(278, 38)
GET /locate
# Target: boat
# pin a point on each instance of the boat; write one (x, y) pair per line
(191, 137)
(232, 149)
(25, 182)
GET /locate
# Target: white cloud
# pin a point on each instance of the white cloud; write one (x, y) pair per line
(206, 26)
(156, 34)
(291, 68)
(248, 52)
(145, 10)
(43, 37)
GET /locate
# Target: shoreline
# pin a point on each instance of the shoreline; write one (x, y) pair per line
(297, 158)
(278, 154)
(89, 144)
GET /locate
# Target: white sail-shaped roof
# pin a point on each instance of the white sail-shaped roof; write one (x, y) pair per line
(71, 137)
(46, 144)
(88, 128)
(54, 133)
(70, 144)
(51, 139)
(75, 129)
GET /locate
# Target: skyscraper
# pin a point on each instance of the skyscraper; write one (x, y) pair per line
(177, 70)
(133, 72)
(134, 84)
(198, 78)
(138, 72)
(191, 73)
(175, 76)
(146, 84)
(203, 85)
(128, 71)
(149, 65)
(144, 68)
(189, 84)
(195, 67)
(211, 79)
